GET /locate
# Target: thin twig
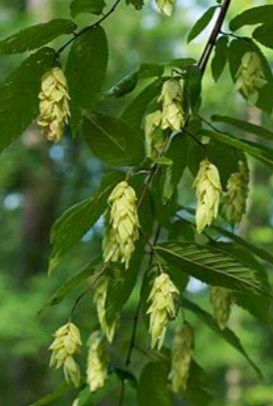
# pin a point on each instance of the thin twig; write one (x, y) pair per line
(214, 35)
(90, 27)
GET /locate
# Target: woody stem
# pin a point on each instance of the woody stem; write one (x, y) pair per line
(202, 64)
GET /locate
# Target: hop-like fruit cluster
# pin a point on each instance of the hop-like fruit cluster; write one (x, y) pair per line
(165, 7)
(181, 356)
(54, 104)
(153, 133)
(122, 225)
(208, 192)
(162, 308)
(221, 300)
(100, 300)
(97, 362)
(235, 199)
(66, 344)
(173, 115)
(250, 76)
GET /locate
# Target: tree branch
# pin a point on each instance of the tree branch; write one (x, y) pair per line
(213, 36)
(90, 27)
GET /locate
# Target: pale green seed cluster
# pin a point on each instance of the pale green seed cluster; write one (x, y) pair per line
(97, 362)
(221, 300)
(181, 356)
(54, 104)
(66, 344)
(123, 224)
(250, 76)
(153, 133)
(235, 199)
(173, 115)
(100, 301)
(162, 308)
(165, 7)
(208, 192)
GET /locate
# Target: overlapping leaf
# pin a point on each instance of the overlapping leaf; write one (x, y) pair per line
(213, 266)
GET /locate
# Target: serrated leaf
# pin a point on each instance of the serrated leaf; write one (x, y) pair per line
(259, 252)
(202, 23)
(85, 72)
(124, 86)
(152, 388)
(252, 16)
(135, 111)
(78, 219)
(261, 152)
(86, 6)
(237, 50)
(113, 140)
(193, 86)
(213, 266)
(70, 285)
(227, 334)
(244, 126)
(263, 35)
(220, 58)
(19, 103)
(138, 4)
(36, 36)
(199, 390)
(121, 285)
(257, 306)
(150, 70)
(53, 396)
(171, 176)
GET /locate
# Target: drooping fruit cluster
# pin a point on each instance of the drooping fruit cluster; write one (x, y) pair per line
(250, 76)
(66, 344)
(162, 308)
(122, 225)
(54, 104)
(208, 192)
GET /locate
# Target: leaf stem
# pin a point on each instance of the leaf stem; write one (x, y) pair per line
(202, 64)
(90, 27)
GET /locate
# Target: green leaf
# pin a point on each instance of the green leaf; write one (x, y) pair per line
(138, 4)
(226, 333)
(202, 23)
(36, 36)
(259, 252)
(150, 70)
(85, 71)
(252, 16)
(199, 390)
(258, 307)
(19, 103)
(153, 388)
(237, 49)
(135, 111)
(52, 397)
(124, 86)
(113, 140)
(262, 153)
(244, 126)
(70, 284)
(213, 266)
(78, 219)
(220, 58)
(171, 176)
(121, 286)
(86, 6)
(263, 34)
(193, 86)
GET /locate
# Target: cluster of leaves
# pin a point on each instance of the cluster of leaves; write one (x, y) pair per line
(120, 143)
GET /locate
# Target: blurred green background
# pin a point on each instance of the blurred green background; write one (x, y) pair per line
(38, 181)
